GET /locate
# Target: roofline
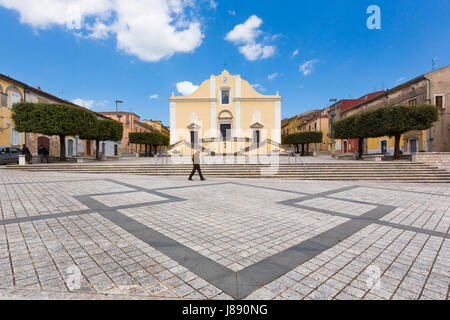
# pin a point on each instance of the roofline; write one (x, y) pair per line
(27, 87)
(387, 92)
(118, 113)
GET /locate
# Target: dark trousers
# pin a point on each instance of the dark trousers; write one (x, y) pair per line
(43, 156)
(196, 168)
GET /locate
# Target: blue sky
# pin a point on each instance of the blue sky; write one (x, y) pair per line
(133, 50)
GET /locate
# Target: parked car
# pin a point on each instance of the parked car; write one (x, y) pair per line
(9, 155)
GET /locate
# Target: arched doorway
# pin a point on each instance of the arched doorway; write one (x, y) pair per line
(88, 147)
(225, 124)
(345, 146)
(70, 148)
(116, 150)
(43, 141)
(413, 146)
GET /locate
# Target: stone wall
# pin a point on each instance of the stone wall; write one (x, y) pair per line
(441, 160)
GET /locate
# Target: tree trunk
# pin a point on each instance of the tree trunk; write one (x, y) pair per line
(97, 149)
(297, 147)
(303, 149)
(62, 149)
(146, 152)
(307, 149)
(397, 146)
(151, 154)
(360, 148)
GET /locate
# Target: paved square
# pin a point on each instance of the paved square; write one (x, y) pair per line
(141, 237)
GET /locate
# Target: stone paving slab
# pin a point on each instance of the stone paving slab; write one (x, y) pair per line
(81, 236)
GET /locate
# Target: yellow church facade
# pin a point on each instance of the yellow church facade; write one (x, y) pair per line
(225, 116)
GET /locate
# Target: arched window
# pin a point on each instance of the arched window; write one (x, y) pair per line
(194, 118)
(15, 96)
(256, 117)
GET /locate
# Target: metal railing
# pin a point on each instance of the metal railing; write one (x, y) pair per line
(160, 156)
(296, 156)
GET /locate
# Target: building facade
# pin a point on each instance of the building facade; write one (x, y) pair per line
(225, 116)
(318, 123)
(158, 126)
(349, 145)
(13, 91)
(131, 123)
(431, 88)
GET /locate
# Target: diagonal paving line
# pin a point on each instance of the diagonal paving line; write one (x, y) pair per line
(45, 217)
(237, 284)
(206, 268)
(242, 283)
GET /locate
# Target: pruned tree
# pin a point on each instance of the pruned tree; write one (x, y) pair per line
(106, 130)
(60, 120)
(303, 138)
(391, 121)
(149, 139)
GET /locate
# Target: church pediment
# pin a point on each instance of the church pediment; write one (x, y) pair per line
(193, 126)
(257, 125)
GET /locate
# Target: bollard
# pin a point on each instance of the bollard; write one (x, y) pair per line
(22, 161)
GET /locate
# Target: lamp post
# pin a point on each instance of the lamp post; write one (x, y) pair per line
(117, 109)
(333, 115)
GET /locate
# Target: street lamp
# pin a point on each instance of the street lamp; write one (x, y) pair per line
(117, 109)
(333, 115)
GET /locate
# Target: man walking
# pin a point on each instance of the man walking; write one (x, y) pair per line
(196, 163)
(43, 153)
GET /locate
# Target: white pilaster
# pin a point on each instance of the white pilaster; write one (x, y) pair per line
(173, 123)
(238, 87)
(238, 119)
(213, 120)
(276, 135)
(212, 88)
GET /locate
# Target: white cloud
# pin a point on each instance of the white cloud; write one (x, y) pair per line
(213, 4)
(308, 67)
(256, 51)
(294, 53)
(88, 104)
(149, 29)
(186, 88)
(400, 80)
(246, 34)
(272, 76)
(154, 96)
(259, 87)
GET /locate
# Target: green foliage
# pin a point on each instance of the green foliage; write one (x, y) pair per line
(303, 138)
(106, 130)
(149, 138)
(53, 119)
(386, 121)
(390, 121)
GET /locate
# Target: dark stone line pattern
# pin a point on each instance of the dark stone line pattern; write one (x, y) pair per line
(236, 284)
(408, 191)
(206, 268)
(242, 283)
(45, 217)
(41, 182)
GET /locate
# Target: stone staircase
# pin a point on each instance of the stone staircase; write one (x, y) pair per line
(367, 171)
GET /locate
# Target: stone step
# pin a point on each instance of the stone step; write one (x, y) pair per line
(259, 173)
(256, 170)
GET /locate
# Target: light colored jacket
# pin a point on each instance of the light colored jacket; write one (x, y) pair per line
(196, 158)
